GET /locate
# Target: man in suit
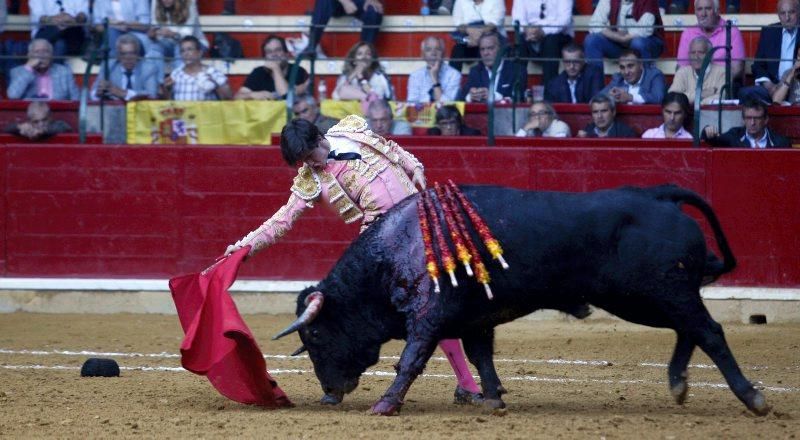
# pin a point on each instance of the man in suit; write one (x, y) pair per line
(129, 77)
(635, 83)
(40, 78)
(509, 74)
(579, 82)
(604, 123)
(754, 134)
(778, 41)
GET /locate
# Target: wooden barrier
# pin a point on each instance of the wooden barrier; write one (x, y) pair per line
(150, 211)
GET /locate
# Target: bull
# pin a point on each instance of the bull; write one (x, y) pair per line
(630, 251)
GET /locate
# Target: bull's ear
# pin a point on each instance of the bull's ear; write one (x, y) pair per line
(313, 306)
(302, 349)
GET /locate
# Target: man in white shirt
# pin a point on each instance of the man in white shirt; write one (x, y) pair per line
(547, 28)
(61, 22)
(472, 19)
(543, 122)
(436, 81)
(124, 16)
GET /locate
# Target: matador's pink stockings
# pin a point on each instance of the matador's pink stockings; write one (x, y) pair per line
(452, 349)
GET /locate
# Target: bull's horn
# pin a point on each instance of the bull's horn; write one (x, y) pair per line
(299, 350)
(313, 306)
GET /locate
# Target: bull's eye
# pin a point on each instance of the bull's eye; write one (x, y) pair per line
(315, 333)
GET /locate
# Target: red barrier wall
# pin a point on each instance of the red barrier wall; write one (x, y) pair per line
(111, 211)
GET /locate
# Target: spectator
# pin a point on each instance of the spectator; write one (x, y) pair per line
(712, 26)
(732, 6)
(754, 134)
(777, 50)
(617, 25)
(363, 77)
(437, 81)
(509, 74)
(472, 19)
(172, 20)
(40, 78)
(789, 88)
(635, 83)
(675, 109)
(39, 125)
(130, 77)
(370, 12)
(381, 120)
(306, 107)
(685, 80)
(547, 29)
(271, 81)
(61, 23)
(579, 81)
(543, 122)
(674, 7)
(124, 17)
(604, 124)
(194, 81)
(450, 123)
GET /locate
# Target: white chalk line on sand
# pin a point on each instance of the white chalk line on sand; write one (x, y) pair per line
(165, 355)
(377, 373)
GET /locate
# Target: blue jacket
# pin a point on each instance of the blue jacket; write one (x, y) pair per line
(23, 83)
(652, 88)
(509, 73)
(145, 78)
(589, 83)
(769, 47)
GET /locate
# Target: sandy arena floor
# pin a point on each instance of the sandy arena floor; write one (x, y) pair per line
(565, 380)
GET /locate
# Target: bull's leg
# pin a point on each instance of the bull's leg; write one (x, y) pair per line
(467, 390)
(480, 351)
(708, 335)
(677, 368)
(412, 361)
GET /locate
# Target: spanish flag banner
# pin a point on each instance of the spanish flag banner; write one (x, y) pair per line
(416, 114)
(205, 122)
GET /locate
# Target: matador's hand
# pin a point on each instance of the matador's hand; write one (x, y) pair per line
(418, 179)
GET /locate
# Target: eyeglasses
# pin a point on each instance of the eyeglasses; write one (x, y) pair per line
(447, 123)
(538, 114)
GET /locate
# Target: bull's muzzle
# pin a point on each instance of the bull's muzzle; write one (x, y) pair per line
(313, 306)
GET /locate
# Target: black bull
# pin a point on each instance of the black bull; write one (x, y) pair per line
(629, 251)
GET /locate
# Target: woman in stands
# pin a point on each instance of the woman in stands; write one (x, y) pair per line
(363, 78)
(788, 90)
(172, 20)
(450, 123)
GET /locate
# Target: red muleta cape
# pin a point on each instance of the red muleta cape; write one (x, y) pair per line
(218, 343)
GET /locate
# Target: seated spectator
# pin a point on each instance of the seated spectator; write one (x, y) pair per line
(788, 90)
(777, 50)
(711, 26)
(381, 120)
(437, 81)
(450, 123)
(579, 81)
(675, 6)
(40, 125)
(635, 83)
(271, 81)
(172, 20)
(124, 17)
(369, 12)
(547, 29)
(509, 74)
(194, 81)
(754, 134)
(62, 23)
(472, 19)
(129, 77)
(305, 107)
(685, 79)
(40, 78)
(617, 25)
(543, 122)
(675, 109)
(363, 78)
(604, 123)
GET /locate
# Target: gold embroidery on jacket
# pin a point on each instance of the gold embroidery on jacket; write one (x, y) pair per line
(344, 205)
(307, 184)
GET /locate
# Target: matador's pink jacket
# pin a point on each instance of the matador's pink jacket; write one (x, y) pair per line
(361, 189)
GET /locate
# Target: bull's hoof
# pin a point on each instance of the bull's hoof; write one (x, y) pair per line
(464, 397)
(494, 404)
(330, 399)
(758, 404)
(679, 392)
(386, 407)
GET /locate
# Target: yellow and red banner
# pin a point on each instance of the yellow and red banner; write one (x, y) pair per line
(418, 115)
(205, 122)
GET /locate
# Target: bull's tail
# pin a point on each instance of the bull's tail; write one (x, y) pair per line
(714, 267)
